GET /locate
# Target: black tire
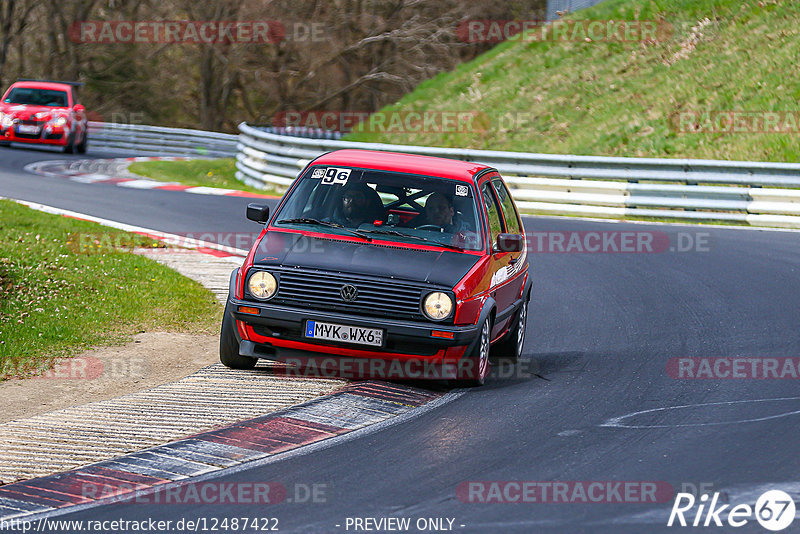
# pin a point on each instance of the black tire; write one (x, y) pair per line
(5, 143)
(510, 348)
(474, 367)
(69, 148)
(81, 148)
(229, 344)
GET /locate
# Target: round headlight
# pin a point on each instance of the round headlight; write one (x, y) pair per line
(262, 285)
(438, 305)
(59, 121)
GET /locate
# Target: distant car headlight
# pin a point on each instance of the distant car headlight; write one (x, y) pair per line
(262, 285)
(438, 305)
(6, 121)
(59, 121)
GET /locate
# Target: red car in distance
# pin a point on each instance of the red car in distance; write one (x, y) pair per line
(44, 113)
(377, 260)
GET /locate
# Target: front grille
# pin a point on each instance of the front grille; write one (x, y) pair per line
(321, 291)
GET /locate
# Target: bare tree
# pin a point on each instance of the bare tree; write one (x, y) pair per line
(348, 55)
(13, 20)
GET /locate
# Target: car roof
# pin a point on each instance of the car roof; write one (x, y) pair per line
(397, 162)
(43, 85)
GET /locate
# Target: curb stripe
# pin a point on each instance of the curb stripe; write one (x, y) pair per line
(124, 476)
(21, 493)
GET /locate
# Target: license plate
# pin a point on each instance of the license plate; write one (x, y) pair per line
(344, 334)
(28, 129)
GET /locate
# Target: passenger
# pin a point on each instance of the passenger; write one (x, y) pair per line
(439, 212)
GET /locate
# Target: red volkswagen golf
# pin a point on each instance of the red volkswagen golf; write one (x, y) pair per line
(391, 261)
(44, 113)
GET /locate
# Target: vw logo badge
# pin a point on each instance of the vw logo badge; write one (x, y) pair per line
(349, 292)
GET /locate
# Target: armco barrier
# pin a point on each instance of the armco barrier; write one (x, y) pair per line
(154, 140)
(753, 193)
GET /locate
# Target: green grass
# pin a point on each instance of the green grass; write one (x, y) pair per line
(621, 99)
(219, 173)
(65, 288)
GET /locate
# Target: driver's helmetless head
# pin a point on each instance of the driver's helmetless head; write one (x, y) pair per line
(439, 209)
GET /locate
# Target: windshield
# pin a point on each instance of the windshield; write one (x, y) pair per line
(386, 205)
(37, 97)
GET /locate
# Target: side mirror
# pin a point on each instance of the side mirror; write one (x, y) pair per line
(509, 243)
(79, 108)
(258, 213)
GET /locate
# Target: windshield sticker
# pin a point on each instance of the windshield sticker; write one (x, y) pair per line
(332, 175)
(462, 190)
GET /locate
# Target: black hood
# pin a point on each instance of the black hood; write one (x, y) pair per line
(290, 249)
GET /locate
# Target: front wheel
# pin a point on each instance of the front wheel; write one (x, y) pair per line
(69, 148)
(229, 344)
(81, 148)
(474, 367)
(510, 349)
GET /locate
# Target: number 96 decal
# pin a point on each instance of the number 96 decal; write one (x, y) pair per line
(332, 175)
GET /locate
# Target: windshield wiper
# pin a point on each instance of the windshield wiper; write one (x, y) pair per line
(309, 220)
(420, 238)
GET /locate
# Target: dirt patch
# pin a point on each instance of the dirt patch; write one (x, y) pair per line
(150, 360)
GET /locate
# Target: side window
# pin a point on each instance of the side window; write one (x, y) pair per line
(492, 212)
(507, 205)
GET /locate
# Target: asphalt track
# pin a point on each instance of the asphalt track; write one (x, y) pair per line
(601, 329)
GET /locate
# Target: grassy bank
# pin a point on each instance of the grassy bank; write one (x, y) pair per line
(219, 173)
(625, 98)
(66, 285)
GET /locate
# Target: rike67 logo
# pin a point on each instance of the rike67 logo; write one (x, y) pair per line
(774, 510)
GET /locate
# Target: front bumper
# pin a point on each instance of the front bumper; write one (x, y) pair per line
(58, 137)
(276, 333)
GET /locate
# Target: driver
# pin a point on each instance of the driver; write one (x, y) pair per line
(356, 208)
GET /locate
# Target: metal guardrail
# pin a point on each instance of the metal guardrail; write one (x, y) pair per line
(155, 140)
(760, 194)
(754, 193)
